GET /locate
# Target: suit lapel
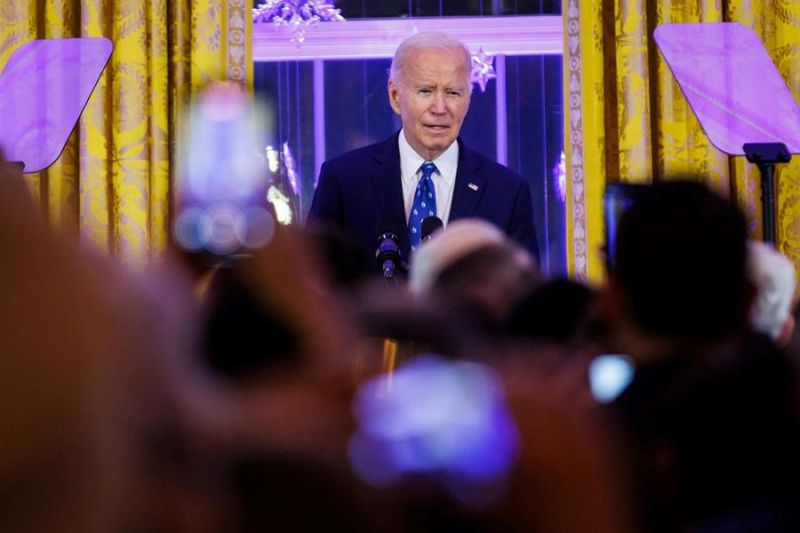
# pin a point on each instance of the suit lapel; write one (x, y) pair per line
(469, 185)
(388, 186)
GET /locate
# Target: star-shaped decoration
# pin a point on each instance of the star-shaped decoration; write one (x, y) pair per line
(482, 68)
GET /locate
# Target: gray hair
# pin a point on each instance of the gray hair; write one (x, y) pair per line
(773, 277)
(430, 40)
(460, 239)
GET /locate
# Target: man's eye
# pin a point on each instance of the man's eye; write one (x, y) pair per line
(424, 91)
(453, 93)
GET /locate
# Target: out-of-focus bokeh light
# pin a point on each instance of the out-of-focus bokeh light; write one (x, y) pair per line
(223, 183)
(280, 203)
(260, 228)
(188, 226)
(609, 376)
(273, 159)
(439, 417)
(221, 228)
(284, 192)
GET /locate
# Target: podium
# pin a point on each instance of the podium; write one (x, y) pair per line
(44, 88)
(737, 94)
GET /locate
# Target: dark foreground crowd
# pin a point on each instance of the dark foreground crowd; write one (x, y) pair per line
(291, 390)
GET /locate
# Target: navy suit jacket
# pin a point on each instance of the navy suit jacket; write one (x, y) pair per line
(360, 189)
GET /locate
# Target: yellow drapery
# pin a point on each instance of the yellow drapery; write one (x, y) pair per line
(628, 121)
(113, 181)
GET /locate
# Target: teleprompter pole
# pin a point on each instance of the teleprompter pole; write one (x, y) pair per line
(766, 156)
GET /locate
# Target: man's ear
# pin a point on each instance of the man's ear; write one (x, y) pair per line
(394, 96)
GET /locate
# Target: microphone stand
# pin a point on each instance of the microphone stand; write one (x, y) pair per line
(388, 256)
(388, 273)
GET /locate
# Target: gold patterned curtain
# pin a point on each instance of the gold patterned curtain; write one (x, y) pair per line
(112, 183)
(628, 120)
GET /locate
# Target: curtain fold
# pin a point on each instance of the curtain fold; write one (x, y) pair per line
(113, 182)
(628, 120)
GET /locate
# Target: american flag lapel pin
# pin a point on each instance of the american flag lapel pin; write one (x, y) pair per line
(472, 186)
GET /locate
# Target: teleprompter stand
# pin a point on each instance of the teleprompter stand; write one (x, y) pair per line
(766, 156)
(739, 97)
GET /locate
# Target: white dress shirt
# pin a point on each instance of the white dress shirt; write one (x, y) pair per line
(444, 178)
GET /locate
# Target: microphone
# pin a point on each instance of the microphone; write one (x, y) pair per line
(429, 227)
(387, 254)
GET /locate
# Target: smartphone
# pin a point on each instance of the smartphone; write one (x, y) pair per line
(609, 376)
(222, 184)
(435, 417)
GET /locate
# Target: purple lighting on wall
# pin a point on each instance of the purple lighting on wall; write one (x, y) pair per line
(378, 38)
(502, 113)
(319, 118)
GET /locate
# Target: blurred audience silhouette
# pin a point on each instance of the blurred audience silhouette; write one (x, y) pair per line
(710, 413)
(299, 392)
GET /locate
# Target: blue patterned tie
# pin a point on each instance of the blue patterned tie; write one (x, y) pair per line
(424, 204)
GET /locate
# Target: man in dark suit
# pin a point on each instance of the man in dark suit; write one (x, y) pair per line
(424, 169)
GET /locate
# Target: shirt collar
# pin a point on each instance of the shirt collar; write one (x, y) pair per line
(410, 161)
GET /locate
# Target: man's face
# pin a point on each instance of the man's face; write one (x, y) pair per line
(432, 98)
